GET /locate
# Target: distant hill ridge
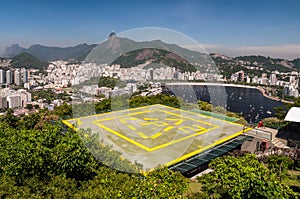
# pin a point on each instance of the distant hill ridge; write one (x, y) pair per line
(118, 51)
(228, 65)
(47, 53)
(26, 60)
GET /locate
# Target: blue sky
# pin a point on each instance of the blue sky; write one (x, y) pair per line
(232, 27)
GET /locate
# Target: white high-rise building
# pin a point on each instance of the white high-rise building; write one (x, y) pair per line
(17, 77)
(9, 77)
(292, 79)
(273, 79)
(3, 102)
(24, 75)
(2, 76)
(14, 101)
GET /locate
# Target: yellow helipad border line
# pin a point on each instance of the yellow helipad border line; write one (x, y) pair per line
(199, 114)
(205, 130)
(184, 157)
(200, 121)
(112, 112)
(157, 107)
(145, 136)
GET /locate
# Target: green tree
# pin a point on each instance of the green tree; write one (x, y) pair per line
(279, 164)
(161, 183)
(205, 106)
(107, 82)
(280, 112)
(103, 106)
(243, 177)
(164, 99)
(63, 110)
(10, 119)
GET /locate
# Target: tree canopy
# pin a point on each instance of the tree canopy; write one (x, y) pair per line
(41, 158)
(243, 177)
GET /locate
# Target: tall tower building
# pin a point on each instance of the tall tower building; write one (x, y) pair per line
(25, 76)
(151, 74)
(3, 102)
(2, 76)
(9, 77)
(17, 77)
(241, 76)
(273, 79)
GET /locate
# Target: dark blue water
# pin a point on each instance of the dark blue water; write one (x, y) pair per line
(247, 101)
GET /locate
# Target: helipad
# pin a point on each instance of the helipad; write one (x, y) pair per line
(158, 135)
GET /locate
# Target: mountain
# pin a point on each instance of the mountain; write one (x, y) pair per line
(253, 64)
(13, 50)
(119, 50)
(154, 58)
(296, 63)
(46, 53)
(128, 53)
(26, 60)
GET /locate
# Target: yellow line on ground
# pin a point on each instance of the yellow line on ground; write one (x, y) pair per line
(127, 116)
(178, 109)
(156, 135)
(131, 127)
(175, 119)
(142, 135)
(119, 111)
(168, 128)
(206, 147)
(124, 120)
(78, 122)
(147, 118)
(124, 137)
(199, 114)
(66, 122)
(181, 139)
(207, 123)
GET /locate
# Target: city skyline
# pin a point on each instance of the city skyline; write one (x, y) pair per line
(232, 28)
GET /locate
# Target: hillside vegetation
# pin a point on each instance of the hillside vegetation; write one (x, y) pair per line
(158, 56)
(26, 60)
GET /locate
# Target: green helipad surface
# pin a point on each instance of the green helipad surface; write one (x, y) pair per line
(158, 135)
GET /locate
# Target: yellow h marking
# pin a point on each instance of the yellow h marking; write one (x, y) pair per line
(147, 118)
(168, 128)
(156, 135)
(142, 135)
(131, 127)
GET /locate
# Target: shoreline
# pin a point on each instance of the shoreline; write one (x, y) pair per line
(263, 91)
(260, 88)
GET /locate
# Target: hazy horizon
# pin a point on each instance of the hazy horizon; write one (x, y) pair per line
(233, 52)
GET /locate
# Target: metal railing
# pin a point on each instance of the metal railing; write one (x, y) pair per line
(259, 133)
